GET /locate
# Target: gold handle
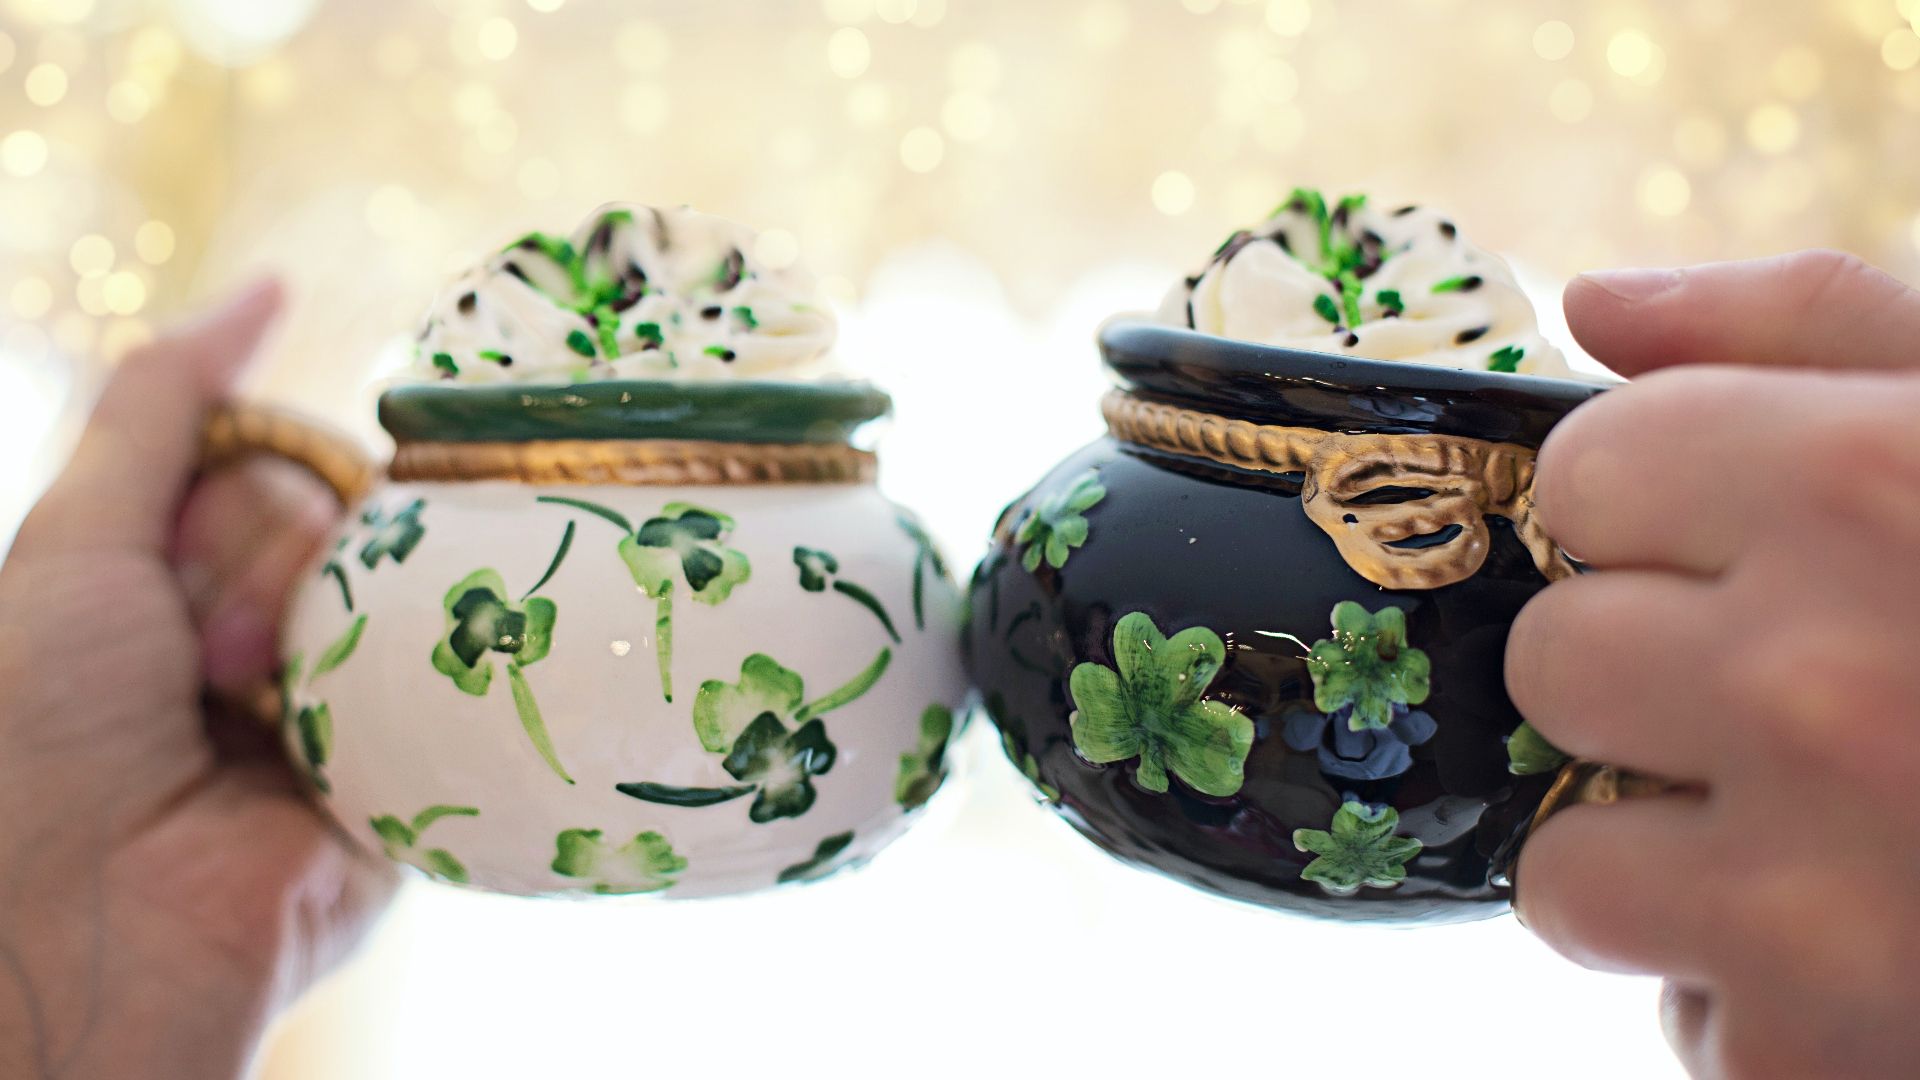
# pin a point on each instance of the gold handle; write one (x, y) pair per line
(1592, 783)
(234, 432)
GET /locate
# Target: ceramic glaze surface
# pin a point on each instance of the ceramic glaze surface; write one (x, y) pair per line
(1189, 667)
(476, 682)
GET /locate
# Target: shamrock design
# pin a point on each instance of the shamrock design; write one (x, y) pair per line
(926, 557)
(645, 864)
(1029, 767)
(1152, 709)
(401, 839)
(684, 547)
(1359, 754)
(1057, 526)
(923, 768)
(1367, 665)
(1359, 850)
(1530, 754)
(312, 724)
(482, 623)
(817, 572)
(821, 864)
(394, 535)
(774, 744)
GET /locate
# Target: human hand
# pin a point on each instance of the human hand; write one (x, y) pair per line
(1754, 513)
(163, 884)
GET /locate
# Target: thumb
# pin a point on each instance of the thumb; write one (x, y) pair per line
(1820, 309)
(124, 482)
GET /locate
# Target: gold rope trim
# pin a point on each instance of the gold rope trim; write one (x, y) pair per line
(238, 431)
(634, 461)
(1451, 482)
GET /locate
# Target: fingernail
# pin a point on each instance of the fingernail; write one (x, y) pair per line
(1635, 286)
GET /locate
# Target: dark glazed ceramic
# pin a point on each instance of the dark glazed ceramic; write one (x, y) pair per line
(1167, 542)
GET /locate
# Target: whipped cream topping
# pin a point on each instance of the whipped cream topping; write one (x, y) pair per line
(634, 293)
(1387, 285)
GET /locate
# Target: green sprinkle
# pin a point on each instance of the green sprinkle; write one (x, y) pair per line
(720, 351)
(608, 327)
(1507, 359)
(1328, 309)
(493, 356)
(1455, 284)
(444, 362)
(579, 342)
(1350, 203)
(1390, 300)
(745, 315)
(649, 331)
(1350, 296)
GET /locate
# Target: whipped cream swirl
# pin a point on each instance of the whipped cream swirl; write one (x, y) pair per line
(1398, 285)
(635, 292)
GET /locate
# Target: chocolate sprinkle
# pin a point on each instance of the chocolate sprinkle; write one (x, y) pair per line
(731, 270)
(468, 302)
(1352, 339)
(1447, 230)
(514, 269)
(1405, 210)
(1466, 336)
(710, 312)
(1286, 245)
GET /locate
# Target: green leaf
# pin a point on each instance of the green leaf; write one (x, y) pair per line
(1359, 850)
(1506, 359)
(472, 680)
(851, 691)
(1151, 708)
(721, 711)
(338, 652)
(815, 568)
(434, 813)
(923, 768)
(316, 736)
(647, 863)
(1053, 528)
(541, 613)
(1369, 665)
(821, 863)
(441, 863)
(394, 834)
(668, 795)
(530, 720)
(1530, 754)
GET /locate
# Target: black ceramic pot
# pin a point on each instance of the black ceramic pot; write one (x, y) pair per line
(1253, 638)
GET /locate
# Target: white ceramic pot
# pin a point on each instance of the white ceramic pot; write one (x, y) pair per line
(693, 689)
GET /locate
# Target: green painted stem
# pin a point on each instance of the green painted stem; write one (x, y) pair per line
(560, 556)
(339, 574)
(871, 603)
(663, 639)
(847, 694)
(919, 574)
(668, 795)
(595, 509)
(530, 720)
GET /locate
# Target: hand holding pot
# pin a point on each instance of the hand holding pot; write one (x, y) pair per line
(151, 851)
(1751, 631)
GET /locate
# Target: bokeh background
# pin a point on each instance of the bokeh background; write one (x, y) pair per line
(978, 183)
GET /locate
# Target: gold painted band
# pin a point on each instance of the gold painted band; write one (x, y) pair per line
(1593, 784)
(634, 461)
(1407, 511)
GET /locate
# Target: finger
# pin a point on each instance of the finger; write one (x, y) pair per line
(1615, 888)
(245, 536)
(1607, 667)
(1823, 309)
(1684, 1015)
(141, 445)
(1685, 470)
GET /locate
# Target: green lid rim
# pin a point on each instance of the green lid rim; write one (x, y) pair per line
(744, 411)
